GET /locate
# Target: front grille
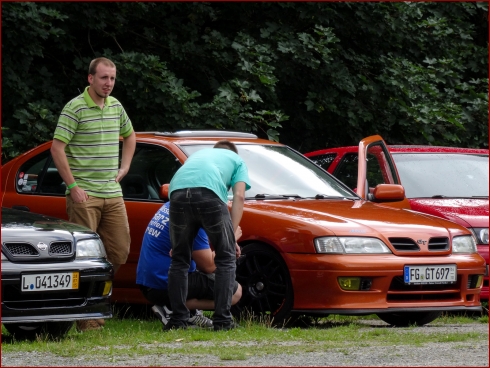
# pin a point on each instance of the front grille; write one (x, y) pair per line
(404, 244)
(438, 244)
(401, 292)
(21, 249)
(60, 248)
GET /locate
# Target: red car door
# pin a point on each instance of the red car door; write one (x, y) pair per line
(377, 177)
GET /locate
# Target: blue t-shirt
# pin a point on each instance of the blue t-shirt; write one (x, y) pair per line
(154, 261)
(217, 169)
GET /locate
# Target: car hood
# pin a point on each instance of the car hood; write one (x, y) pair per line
(468, 212)
(296, 222)
(26, 226)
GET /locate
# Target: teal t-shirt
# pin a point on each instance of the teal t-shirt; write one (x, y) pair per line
(217, 169)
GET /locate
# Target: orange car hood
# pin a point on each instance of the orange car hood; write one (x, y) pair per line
(305, 219)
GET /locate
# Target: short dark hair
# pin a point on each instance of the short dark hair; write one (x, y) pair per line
(92, 69)
(226, 145)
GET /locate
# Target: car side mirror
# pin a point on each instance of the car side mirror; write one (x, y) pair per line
(388, 193)
(163, 193)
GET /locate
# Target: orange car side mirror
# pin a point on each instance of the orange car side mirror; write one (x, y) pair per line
(163, 193)
(389, 193)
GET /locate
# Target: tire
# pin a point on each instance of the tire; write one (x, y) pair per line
(405, 319)
(30, 331)
(266, 284)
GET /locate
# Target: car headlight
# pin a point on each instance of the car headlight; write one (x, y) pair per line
(481, 234)
(350, 245)
(464, 244)
(90, 248)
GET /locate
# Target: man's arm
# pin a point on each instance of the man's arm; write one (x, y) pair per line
(61, 162)
(204, 259)
(237, 204)
(129, 145)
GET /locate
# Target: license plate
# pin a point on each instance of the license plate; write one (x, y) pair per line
(430, 274)
(50, 281)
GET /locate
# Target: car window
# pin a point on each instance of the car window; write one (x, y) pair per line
(379, 167)
(324, 160)
(346, 170)
(40, 175)
(151, 167)
(444, 174)
(279, 170)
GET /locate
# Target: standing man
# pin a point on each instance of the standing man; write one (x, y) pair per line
(85, 150)
(198, 199)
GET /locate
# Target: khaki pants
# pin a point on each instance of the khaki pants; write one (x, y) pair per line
(107, 217)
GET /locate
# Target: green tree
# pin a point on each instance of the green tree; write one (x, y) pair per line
(309, 74)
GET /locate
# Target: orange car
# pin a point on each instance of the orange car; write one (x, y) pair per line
(311, 245)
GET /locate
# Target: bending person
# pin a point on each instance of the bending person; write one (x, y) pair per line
(154, 263)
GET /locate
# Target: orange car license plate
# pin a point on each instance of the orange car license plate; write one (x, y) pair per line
(50, 281)
(430, 274)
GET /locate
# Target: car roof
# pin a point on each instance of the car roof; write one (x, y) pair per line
(407, 148)
(184, 137)
(435, 149)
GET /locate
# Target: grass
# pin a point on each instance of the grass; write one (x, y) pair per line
(141, 334)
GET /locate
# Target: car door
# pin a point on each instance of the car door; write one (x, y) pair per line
(32, 183)
(377, 176)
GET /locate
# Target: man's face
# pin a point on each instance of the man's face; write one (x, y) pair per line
(103, 81)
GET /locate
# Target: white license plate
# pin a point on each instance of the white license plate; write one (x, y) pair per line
(50, 281)
(430, 274)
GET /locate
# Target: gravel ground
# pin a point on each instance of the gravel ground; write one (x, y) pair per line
(447, 354)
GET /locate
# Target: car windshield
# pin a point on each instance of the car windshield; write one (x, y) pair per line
(427, 175)
(278, 171)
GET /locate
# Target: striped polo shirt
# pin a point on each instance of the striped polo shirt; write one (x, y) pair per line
(92, 138)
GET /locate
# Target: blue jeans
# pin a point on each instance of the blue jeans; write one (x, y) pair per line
(191, 209)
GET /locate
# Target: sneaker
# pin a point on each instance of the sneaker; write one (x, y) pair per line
(222, 327)
(173, 326)
(162, 313)
(200, 320)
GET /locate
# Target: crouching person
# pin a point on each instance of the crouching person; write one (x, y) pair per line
(154, 263)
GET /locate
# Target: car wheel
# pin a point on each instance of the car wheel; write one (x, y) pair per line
(405, 319)
(266, 285)
(30, 331)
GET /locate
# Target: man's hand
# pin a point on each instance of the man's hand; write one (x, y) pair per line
(78, 195)
(238, 250)
(121, 174)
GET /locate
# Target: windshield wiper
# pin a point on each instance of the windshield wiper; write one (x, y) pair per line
(327, 196)
(274, 196)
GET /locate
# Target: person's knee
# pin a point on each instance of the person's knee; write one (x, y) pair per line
(238, 294)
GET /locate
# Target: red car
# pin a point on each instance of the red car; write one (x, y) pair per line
(448, 182)
(310, 244)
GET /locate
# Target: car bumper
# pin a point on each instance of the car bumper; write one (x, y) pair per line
(90, 300)
(316, 287)
(483, 251)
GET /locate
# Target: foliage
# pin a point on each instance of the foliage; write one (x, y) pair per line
(313, 75)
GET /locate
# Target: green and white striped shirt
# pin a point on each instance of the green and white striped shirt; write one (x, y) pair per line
(92, 138)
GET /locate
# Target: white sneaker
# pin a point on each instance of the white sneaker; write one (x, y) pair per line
(200, 320)
(162, 313)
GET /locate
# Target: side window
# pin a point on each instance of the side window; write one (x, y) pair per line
(346, 171)
(151, 167)
(325, 160)
(39, 175)
(379, 168)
